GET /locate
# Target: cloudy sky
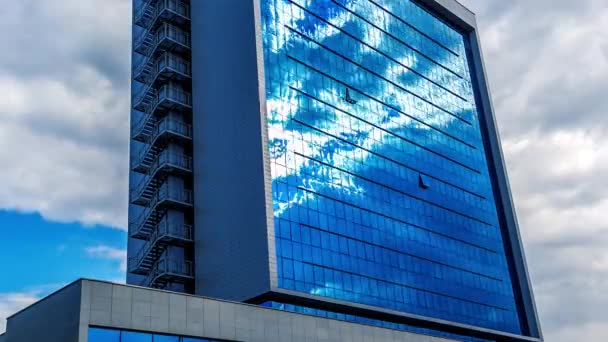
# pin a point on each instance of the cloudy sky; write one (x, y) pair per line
(64, 80)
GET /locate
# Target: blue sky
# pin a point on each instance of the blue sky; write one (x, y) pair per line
(64, 135)
(45, 254)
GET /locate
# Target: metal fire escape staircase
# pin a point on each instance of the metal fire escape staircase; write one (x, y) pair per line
(165, 107)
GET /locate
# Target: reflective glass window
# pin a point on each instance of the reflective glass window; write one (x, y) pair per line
(381, 190)
(129, 336)
(103, 335)
(165, 338)
(115, 335)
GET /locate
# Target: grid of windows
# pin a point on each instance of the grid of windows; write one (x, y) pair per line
(111, 335)
(381, 188)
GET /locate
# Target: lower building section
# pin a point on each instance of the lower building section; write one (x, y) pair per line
(94, 311)
(370, 321)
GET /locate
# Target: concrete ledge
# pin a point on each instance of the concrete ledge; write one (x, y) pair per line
(101, 304)
(140, 309)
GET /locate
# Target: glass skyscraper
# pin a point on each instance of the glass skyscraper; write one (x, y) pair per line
(332, 157)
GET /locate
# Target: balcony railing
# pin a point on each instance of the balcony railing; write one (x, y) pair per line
(173, 125)
(166, 233)
(148, 13)
(166, 37)
(169, 270)
(164, 164)
(166, 197)
(169, 96)
(166, 66)
(157, 135)
(151, 159)
(151, 132)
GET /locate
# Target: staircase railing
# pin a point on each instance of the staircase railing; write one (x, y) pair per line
(164, 158)
(169, 266)
(165, 31)
(165, 61)
(163, 193)
(163, 229)
(180, 7)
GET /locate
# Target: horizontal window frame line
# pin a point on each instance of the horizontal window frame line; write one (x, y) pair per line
(398, 220)
(387, 131)
(358, 90)
(400, 252)
(426, 56)
(402, 88)
(295, 59)
(414, 27)
(398, 284)
(384, 54)
(393, 189)
(395, 161)
(287, 296)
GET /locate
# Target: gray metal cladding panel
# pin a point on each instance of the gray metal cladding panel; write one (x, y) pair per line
(231, 251)
(55, 318)
(160, 312)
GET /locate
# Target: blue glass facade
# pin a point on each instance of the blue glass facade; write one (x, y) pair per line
(369, 321)
(112, 335)
(381, 188)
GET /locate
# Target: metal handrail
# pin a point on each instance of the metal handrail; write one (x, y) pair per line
(143, 35)
(171, 61)
(169, 266)
(177, 6)
(139, 126)
(138, 11)
(171, 92)
(183, 231)
(165, 31)
(166, 60)
(173, 125)
(164, 158)
(141, 66)
(147, 90)
(167, 124)
(167, 91)
(162, 194)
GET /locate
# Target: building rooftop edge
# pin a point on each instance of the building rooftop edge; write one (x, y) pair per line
(43, 299)
(81, 280)
(465, 7)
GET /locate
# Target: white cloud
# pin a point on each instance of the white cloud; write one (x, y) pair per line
(64, 110)
(109, 253)
(10, 303)
(13, 302)
(548, 67)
